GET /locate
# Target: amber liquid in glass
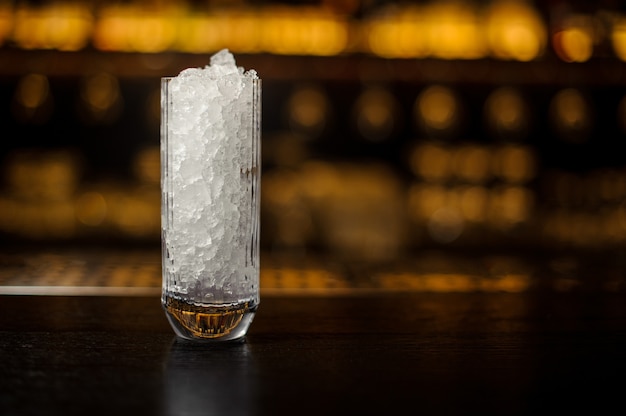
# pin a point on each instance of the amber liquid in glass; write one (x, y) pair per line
(208, 322)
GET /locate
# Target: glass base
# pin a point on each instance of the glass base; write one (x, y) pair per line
(211, 322)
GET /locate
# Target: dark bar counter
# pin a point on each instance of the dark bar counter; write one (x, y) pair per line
(349, 353)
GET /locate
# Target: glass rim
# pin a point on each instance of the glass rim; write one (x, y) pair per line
(169, 78)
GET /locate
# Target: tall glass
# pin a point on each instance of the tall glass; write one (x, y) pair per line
(210, 184)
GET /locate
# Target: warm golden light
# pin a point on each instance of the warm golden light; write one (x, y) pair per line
(375, 114)
(437, 109)
(241, 31)
(61, 26)
(364, 217)
(573, 45)
(32, 91)
(6, 21)
(506, 112)
(589, 209)
(131, 29)
(354, 209)
(611, 185)
(571, 114)
(152, 33)
(515, 30)
(38, 204)
(308, 109)
(237, 30)
(328, 36)
(454, 31)
(453, 282)
(445, 210)
(514, 163)
(91, 209)
(471, 163)
(37, 221)
(510, 206)
(618, 37)
(32, 101)
(445, 225)
(510, 282)
(134, 28)
(101, 98)
(473, 203)
(280, 30)
(432, 162)
(100, 91)
(59, 176)
(446, 30)
(197, 34)
(425, 199)
(146, 165)
(284, 199)
(575, 41)
(394, 33)
(446, 282)
(307, 280)
(135, 213)
(110, 32)
(305, 31)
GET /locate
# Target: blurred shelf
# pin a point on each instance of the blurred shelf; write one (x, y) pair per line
(128, 272)
(342, 68)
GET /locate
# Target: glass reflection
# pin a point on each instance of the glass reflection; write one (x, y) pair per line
(209, 380)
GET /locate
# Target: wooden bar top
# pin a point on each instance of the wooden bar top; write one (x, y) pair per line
(350, 354)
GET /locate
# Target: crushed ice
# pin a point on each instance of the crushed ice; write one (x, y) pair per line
(209, 237)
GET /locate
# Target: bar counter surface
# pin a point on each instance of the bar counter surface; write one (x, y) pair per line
(349, 353)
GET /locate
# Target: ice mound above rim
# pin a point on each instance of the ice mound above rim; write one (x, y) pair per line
(220, 65)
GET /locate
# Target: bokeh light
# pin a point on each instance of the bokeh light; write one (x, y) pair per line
(437, 110)
(32, 101)
(101, 99)
(308, 110)
(571, 114)
(432, 162)
(375, 114)
(507, 113)
(515, 30)
(60, 25)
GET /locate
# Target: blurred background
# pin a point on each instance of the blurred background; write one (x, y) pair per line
(389, 127)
